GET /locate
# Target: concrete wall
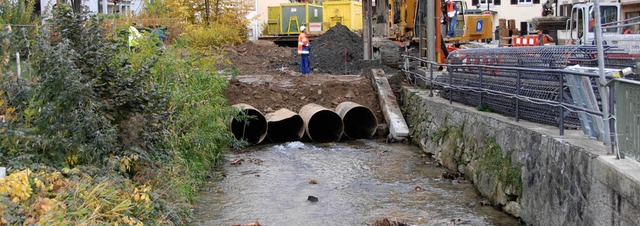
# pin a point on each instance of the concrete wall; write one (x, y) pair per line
(524, 168)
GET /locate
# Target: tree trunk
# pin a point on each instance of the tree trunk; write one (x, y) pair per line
(207, 12)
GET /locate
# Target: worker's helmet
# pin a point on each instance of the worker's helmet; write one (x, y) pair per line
(303, 28)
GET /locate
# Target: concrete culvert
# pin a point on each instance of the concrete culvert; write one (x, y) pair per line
(359, 121)
(321, 124)
(249, 124)
(284, 125)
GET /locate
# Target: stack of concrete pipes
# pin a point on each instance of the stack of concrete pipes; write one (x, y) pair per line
(314, 122)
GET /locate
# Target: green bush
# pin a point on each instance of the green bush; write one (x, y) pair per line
(18, 12)
(215, 36)
(198, 130)
(19, 23)
(140, 122)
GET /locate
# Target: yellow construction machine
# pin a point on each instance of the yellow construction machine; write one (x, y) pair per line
(403, 19)
(400, 21)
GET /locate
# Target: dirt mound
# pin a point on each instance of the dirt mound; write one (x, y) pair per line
(337, 51)
(259, 57)
(269, 93)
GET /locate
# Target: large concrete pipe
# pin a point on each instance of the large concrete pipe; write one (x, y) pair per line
(249, 124)
(359, 121)
(284, 125)
(321, 124)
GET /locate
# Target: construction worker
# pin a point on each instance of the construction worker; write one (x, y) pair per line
(452, 18)
(304, 50)
(134, 35)
(544, 39)
(592, 23)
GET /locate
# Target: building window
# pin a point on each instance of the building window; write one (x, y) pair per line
(565, 10)
(525, 2)
(630, 15)
(484, 2)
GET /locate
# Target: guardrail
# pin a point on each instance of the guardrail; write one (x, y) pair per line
(627, 97)
(518, 94)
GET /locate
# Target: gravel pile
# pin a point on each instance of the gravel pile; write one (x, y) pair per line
(337, 51)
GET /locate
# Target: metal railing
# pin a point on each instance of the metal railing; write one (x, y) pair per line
(627, 97)
(622, 23)
(535, 94)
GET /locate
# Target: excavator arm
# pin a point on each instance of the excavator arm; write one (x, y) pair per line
(402, 17)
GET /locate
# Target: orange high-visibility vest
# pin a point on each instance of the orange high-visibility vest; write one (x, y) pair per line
(451, 9)
(303, 44)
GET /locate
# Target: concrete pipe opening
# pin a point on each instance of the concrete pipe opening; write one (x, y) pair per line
(284, 125)
(359, 121)
(249, 124)
(321, 124)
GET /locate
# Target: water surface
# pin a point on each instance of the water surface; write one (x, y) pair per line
(356, 183)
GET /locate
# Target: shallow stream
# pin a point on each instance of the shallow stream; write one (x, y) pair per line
(355, 183)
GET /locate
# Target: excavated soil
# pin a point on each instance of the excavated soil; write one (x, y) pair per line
(260, 57)
(269, 93)
(269, 75)
(337, 51)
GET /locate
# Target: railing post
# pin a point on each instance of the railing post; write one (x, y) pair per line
(612, 124)
(518, 95)
(431, 79)
(481, 86)
(450, 69)
(560, 95)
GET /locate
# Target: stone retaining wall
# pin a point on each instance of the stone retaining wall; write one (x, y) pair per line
(527, 169)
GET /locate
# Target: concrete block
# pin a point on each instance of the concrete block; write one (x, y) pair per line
(390, 109)
(622, 176)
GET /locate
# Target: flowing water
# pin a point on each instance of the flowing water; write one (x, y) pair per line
(356, 183)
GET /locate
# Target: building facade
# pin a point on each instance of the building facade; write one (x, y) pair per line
(98, 6)
(518, 10)
(259, 16)
(630, 9)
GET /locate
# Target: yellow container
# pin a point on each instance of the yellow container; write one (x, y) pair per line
(348, 13)
(273, 20)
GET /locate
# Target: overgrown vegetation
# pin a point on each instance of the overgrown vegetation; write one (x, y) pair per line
(201, 23)
(457, 136)
(484, 107)
(442, 132)
(500, 165)
(97, 134)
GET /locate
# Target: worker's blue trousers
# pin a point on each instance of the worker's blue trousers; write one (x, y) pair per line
(304, 64)
(453, 23)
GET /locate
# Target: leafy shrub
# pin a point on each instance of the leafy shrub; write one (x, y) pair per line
(72, 197)
(18, 12)
(18, 24)
(198, 130)
(90, 93)
(127, 136)
(215, 36)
